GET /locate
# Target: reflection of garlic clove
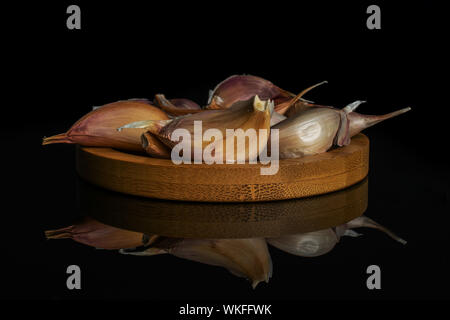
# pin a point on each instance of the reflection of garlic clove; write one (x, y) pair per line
(98, 127)
(154, 147)
(316, 243)
(248, 258)
(99, 235)
(310, 244)
(276, 118)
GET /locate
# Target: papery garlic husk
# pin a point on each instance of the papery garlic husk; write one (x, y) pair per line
(317, 129)
(96, 234)
(176, 107)
(154, 147)
(310, 244)
(248, 258)
(250, 114)
(98, 127)
(243, 87)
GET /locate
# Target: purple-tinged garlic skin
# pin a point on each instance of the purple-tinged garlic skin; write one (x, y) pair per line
(98, 128)
(243, 87)
(315, 130)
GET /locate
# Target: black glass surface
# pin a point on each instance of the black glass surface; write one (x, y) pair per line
(126, 51)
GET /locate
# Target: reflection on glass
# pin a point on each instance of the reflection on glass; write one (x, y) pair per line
(233, 236)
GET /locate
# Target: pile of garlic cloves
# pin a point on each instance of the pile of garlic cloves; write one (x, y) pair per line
(238, 102)
(247, 258)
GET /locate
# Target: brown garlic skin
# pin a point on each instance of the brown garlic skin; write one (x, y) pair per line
(96, 234)
(315, 130)
(176, 107)
(98, 127)
(249, 114)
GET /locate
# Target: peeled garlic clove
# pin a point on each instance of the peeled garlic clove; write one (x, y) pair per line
(365, 222)
(310, 244)
(243, 87)
(98, 127)
(99, 235)
(176, 107)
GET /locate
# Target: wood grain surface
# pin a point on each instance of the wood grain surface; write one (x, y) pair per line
(223, 220)
(158, 178)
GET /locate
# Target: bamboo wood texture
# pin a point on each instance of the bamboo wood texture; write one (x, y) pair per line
(160, 178)
(223, 220)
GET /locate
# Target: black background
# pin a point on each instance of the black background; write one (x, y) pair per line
(131, 50)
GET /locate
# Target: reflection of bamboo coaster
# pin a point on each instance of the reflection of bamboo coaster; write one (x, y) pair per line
(223, 220)
(158, 178)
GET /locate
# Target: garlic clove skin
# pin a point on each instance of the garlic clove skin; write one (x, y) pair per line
(359, 122)
(310, 244)
(311, 132)
(176, 107)
(96, 234)
(154, 147)
(98, 127)
(243, 87)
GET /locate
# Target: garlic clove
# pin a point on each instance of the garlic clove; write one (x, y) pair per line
(176, 107)
(243, 87)
(98, 127)
(359, 122)
(96, 234)
(310, 244)
(154, 147)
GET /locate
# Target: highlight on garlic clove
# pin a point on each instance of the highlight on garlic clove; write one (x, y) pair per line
(247, 258)
(154, 147)
(311, 132)
(176, 107)
(96, 234)
(98, 127)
